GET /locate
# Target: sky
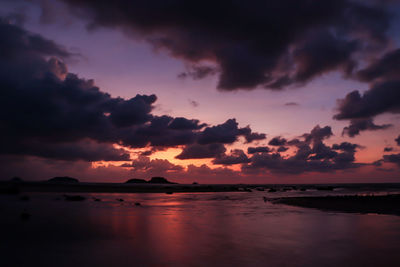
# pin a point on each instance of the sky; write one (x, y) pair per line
(215, 91)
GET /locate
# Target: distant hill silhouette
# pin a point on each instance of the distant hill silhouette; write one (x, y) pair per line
(159, 180)
(63, 179)
(153, 180)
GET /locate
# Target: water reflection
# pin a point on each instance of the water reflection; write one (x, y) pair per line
(208, 229)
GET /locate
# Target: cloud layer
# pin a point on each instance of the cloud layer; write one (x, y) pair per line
(269, 44)
(48, 112)
(382, 97)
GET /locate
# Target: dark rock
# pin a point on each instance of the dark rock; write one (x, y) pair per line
(63, 179)
(120, 199)
(97, 199)
(137, 204)
(382, 204)
(272, 190)
(25, 216)
(24, 198)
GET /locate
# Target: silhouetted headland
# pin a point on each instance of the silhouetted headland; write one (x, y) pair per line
(153, 180)
(382, 204)
(159, 180)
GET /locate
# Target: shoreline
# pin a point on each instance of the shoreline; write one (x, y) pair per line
(381, 204)
(25, 187)
(12, 187)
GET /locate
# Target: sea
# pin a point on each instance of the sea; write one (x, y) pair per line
(194, 229)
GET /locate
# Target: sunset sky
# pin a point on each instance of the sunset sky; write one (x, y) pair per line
(287, 91)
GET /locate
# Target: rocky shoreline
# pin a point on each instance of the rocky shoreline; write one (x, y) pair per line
(381, 204)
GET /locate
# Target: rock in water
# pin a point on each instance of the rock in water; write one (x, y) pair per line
(25, 216)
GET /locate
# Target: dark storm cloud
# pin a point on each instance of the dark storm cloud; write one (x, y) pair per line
(322, 53)
(198, 72)
(15, 39)
(282, 149)
(162, 131)
(83, 150)
(259, 149)
(166, 131)
(276, 164)
(295, 165)
(237, 156)
(40, 99)
(250, 137)
(133, 111)
(312, 155)
(271, 44)
(46, 111)
(227, 133)
(385, 68)
(205, 171)
(393, 158)
(357, 125)
(318, 134)
(180, 123)
(277, 141)
(197, 151)
(322, 151)
(346, 146)
(154, 166)
(397, 140)
(382, 97)
(388, 149)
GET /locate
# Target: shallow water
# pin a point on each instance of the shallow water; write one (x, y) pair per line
(192, 229)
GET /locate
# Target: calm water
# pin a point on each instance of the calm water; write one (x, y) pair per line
(193, 229)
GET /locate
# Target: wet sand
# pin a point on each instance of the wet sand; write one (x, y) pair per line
(386, 204)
